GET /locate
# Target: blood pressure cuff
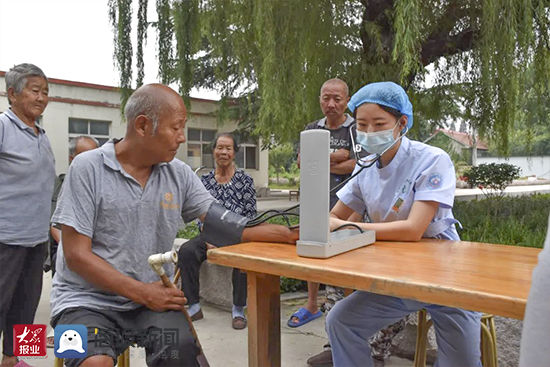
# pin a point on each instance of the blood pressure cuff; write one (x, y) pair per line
(222, 227)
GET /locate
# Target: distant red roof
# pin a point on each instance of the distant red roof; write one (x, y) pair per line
(463, 138)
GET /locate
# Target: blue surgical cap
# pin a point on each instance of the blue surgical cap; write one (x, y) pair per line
(386, 94)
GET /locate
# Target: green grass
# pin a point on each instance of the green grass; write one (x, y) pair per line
(517, 221)
(283, 186)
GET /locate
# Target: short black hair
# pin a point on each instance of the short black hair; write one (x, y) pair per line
(227, 135)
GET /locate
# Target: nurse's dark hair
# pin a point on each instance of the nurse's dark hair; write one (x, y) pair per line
(227, 135)
(389, 110)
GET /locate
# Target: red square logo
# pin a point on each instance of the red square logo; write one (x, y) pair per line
(29, 340)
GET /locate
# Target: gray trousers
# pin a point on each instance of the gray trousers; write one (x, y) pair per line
(361, 314)
(381, 342)
(20, 288)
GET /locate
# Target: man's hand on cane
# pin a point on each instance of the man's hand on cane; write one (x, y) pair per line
(159, 298)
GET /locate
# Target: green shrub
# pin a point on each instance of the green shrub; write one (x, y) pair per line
(189, 231)
(492, 178)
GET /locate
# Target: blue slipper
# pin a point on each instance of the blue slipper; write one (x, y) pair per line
(304, 316)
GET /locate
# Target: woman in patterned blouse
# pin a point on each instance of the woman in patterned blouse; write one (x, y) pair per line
(234, 189)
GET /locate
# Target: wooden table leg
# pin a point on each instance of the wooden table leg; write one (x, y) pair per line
(264, 320)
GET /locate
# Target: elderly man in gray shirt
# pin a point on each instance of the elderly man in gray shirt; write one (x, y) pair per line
(119, 204)
(27, 175)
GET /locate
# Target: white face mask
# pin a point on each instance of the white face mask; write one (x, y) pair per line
(377, 142)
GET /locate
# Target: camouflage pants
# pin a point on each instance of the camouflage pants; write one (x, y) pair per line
(380, 342)
(332, 295)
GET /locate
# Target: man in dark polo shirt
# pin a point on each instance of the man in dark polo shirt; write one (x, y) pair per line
(27, 175)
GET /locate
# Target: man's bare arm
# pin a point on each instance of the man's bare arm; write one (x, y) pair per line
(77, 250)
(267, 232)
(56, 233)
(270, 233)
(343, 168)
(339, 156)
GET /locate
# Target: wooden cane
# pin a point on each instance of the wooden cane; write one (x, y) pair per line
(201, 358)
(157, 267)
(177, 276)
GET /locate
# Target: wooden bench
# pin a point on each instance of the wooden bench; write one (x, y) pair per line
(294, 193)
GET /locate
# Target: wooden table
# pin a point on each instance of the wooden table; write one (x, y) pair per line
(474, 276)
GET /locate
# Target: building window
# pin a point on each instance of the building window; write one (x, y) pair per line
(247, 156)
(199, 152)
(98, 129)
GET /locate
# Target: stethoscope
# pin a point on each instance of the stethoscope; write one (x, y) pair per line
(364, 162)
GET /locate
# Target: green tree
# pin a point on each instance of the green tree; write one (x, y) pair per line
(279, 158)
(280, 51)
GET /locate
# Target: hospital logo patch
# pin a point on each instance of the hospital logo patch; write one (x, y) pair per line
(434, 181)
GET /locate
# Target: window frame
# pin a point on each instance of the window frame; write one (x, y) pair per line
(202, 144)
(102, 139)
(242, 148)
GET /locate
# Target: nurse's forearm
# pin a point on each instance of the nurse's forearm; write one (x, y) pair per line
(401, 230)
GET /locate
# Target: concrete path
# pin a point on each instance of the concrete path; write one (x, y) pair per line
(224, 346)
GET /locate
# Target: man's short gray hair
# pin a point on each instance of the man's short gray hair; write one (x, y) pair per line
(336, 81)
(141, 103)
(16, 77)
(73, 142)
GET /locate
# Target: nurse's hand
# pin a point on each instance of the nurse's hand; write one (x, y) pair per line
(336, 222)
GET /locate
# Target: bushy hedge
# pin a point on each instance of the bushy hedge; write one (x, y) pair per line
(492, 178)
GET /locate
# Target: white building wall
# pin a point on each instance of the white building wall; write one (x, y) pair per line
(538, 166)
(71, 98)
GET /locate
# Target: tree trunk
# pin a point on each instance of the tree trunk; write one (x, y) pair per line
(474, 147)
